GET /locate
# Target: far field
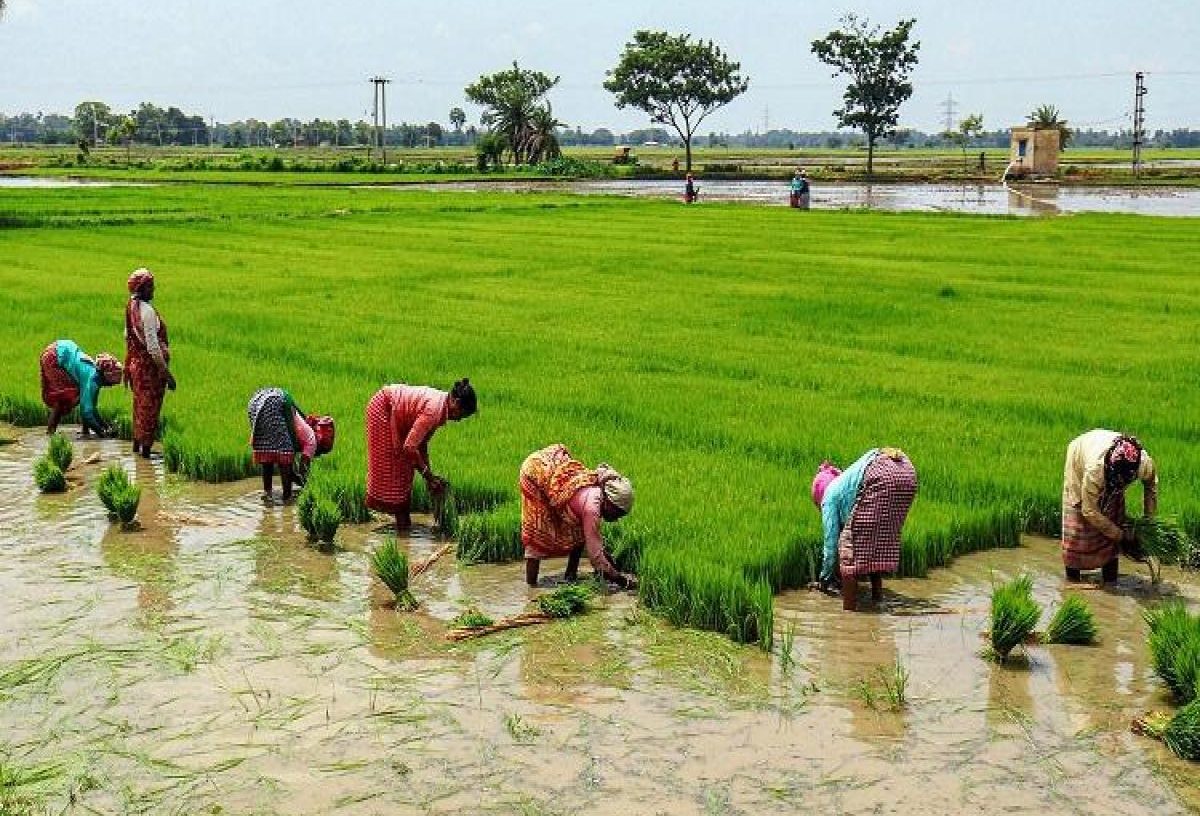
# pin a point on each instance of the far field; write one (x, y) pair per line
(715, 353)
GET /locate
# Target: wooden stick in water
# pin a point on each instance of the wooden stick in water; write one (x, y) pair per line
(516, 621)
(429, 562)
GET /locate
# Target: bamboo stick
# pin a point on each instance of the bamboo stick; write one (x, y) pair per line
(516, 621)
(429, 562)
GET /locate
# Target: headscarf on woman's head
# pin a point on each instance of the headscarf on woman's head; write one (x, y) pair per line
(139, 280)
(1121, 465)
(826, 473)
(617, 489)
(110, 369)
(325, 431)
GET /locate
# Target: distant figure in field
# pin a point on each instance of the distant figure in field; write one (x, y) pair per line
(70, 378)
(1100, 466)
(562, 505)
(281, 434)
(400, 421)
(675, 164)
(801, 192)
(862, 512)
(147, 360)
(690, 191)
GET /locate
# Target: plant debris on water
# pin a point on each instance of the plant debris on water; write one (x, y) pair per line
(1015, 614)
(1073, 622)
(391, 565)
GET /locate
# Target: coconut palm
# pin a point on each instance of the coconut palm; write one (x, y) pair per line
(541, 136)
(1047, 116)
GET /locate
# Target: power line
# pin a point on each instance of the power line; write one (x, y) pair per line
(949, 109)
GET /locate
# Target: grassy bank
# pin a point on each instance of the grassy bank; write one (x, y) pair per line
(716, 354)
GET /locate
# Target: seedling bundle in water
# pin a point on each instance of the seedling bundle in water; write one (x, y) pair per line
(1072, 623)
(1162, 540)
(391, 565)
(1175, 653)
(319, 514)
(48, 476)
(60, 451)
(566, 601)
(1014, 615)
(118, 494)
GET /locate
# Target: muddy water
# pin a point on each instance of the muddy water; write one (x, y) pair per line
(212, 661)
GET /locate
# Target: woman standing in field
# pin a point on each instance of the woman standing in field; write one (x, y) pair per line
(70, 378)
(800, 197)
(862, 512)
(280, 434)
(147, 359)
(1100, 466)
(562, 505)
(400, 421)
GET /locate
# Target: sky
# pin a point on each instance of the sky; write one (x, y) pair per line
(234, 59)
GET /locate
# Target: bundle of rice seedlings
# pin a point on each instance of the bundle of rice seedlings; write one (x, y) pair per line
(60, 451)
(1162, 540)
(566, 601)
(319, 514)
(391, 565)
(49, 476)
(472, 618)
(1181, 732)
(1014, 615)
(1073, 622)
(1175, 648)
(118, 494)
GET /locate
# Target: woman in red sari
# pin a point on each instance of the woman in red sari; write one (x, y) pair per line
(147, 359)
(400, 421)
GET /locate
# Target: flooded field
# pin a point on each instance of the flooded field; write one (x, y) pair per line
(213, 662)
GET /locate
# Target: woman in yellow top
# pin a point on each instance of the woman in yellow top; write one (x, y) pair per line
(1100, 466)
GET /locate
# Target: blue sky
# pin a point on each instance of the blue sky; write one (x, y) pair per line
(305, 58)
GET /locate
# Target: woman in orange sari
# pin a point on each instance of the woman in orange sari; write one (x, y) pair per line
(562, 505)
(401, 419)
(147, 359)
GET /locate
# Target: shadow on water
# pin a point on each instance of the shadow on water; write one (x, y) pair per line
(214, 660)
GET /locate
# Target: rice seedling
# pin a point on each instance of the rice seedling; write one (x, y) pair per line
(472, 618)
(1162, 541)
(119, 495)
(895, 684)
(566, 601)
(48, 476)
(1180, 732)
(1014, 615)
(60, 451)
(391, 566)
(1175, 649)
(1073, 622)
(787, 645)
(520, 730)
(319, 515)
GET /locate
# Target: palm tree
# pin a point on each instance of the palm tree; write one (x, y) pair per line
(1046, 116)
(541, 136)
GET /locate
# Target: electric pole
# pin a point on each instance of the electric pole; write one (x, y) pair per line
(949, 110)
(1139, 121)
(381, 84)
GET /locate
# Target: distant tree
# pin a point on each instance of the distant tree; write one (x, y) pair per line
(90, 119)
(511, 99)
(458, 118)
(124, 130)
(542, 136)
(878, 64)
(1047, 116)
(968, 130)
(601, 136)
(677, 81)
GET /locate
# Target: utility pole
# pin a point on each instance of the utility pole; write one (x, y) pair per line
(381, 84)
(949, 112)
(1139, 121)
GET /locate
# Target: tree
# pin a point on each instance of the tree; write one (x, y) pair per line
(677, 81)
(1046, 116)
(458, 118)
(511, 99)
(123, 131)
(878, 64)
(968, 129)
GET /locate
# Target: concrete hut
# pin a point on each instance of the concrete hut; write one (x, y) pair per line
(1034, 151)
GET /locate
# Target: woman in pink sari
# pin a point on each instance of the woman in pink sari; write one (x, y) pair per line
(147, 360)
(401, 419)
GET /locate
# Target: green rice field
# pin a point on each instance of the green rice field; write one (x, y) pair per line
(715, 354)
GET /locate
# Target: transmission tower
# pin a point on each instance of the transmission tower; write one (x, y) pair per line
(1139, 121)
(949, 112)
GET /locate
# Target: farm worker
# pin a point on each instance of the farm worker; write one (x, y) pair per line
(863, 509)
(800, 190)
(1100, 465)
(690, 192)
(400, 421)
(562, 505)
(147, 359)
(281, 434)
(70, 378)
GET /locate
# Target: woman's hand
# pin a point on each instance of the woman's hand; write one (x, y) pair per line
(436, 484)
(170, 381)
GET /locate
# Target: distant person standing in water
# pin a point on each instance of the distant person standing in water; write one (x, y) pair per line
(401, 419)
(690, 191)
(801, 192)
(147, 360)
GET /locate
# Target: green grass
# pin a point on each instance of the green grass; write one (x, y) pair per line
(714, 354)
(1014, 615)
(1073, 622)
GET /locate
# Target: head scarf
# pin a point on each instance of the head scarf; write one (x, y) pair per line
(617, 489)
(109, 368)
(1121, 465)
(325, 431)
(139, 280)
(826, 473)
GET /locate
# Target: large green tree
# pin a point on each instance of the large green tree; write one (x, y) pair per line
(676, 80)
(878, 64)
(514, 106)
